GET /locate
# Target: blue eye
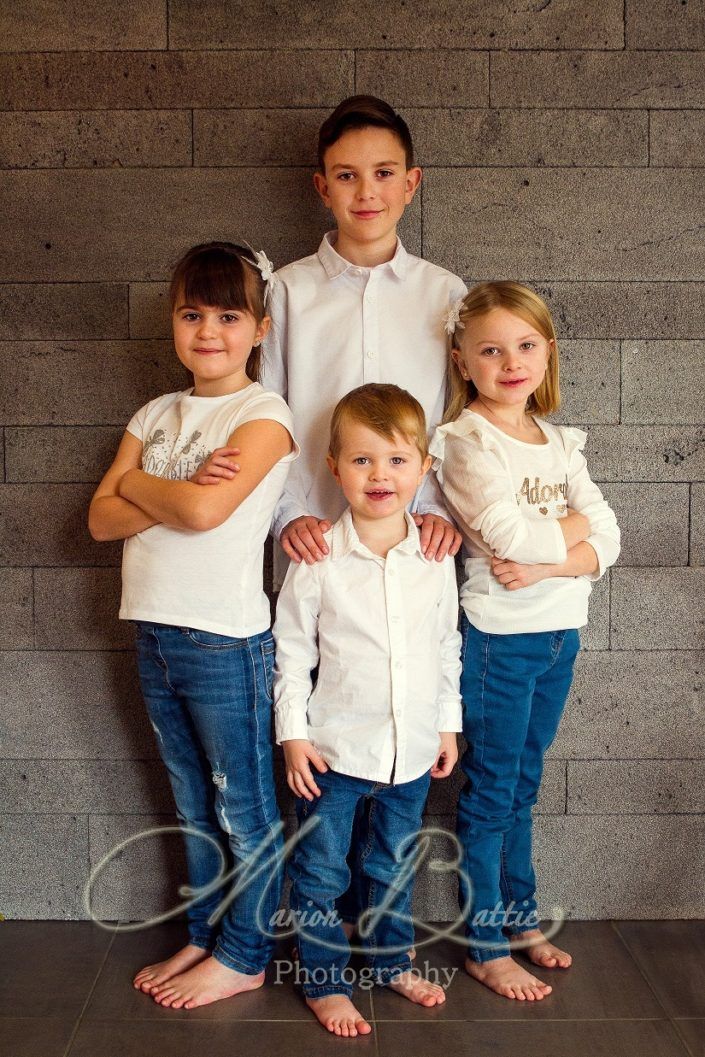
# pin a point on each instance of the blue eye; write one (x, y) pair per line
(398, 460)
(360, 460)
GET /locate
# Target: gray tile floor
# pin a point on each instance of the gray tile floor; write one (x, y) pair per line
(636, 989)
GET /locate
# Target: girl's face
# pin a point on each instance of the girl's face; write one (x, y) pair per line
(504, 356)
(214, 343)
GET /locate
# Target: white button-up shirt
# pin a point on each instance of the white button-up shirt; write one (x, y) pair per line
(383, 632)
(336, 326)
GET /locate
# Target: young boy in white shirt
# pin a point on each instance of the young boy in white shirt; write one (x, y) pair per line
(359, 310)
(380, 621)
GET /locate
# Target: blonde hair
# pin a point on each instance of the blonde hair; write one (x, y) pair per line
(385, 409)
(520, 301)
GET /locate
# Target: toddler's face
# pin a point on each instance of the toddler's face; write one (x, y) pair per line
(503, 355)
(379, 477)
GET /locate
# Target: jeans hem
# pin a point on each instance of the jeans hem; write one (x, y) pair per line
(235, 963)
(202, 942)
(387, 974)
(480, 956)
(326, 990)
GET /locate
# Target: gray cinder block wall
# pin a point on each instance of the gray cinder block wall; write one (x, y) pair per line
(562, 145)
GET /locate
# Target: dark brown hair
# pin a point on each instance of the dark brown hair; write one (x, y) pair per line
(386, 410)
(361, 111)
(220, 275)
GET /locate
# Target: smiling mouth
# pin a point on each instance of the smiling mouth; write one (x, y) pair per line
(207, 352)
(367, 214)
(514, 381)
(378, 494)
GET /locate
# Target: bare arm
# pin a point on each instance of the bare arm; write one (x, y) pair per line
(111, 517)
(581, 561)
(185, 505)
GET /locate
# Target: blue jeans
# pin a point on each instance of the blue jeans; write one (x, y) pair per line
(320, 875)
(209, 698)
(514, 689)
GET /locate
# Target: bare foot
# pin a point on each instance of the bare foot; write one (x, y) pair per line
(504, 976)
(152, 976)
(418, 990)
(338, 1015)
(540, 951)
(207, 982)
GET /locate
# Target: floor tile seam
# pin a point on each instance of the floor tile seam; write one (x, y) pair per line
(84, 1007)
(684, 1042)
(642, 971)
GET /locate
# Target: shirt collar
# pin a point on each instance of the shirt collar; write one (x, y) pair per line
(345, 540)
(335, 265)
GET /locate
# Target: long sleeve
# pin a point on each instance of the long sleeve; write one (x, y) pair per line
(450, 709)
(296, 634)
(585, 497)
(479, 493)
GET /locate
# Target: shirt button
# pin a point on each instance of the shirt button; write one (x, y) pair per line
(398, 664)
(370, 354)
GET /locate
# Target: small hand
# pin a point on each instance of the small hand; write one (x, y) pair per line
(298, 755)
(447, 756)
(303, 539)
(514, 575)
(217, 467)
(438, 537)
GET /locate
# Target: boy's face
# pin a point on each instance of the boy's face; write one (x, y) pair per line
(366, 184)
(379, 477)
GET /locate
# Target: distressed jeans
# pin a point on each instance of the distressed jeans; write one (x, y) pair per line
(209, 699)
(514, 689)
(320, 874)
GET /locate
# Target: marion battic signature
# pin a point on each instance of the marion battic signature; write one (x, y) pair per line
(268, 860)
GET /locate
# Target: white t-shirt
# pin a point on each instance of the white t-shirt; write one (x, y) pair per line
(207, 580)
(506, 497)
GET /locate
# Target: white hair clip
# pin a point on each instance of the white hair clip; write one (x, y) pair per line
(451, 320)
(264, 266)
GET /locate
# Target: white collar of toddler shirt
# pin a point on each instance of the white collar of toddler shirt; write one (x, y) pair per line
(345, 540)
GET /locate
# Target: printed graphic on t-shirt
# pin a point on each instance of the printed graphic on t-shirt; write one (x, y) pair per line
(172, 456)
(546, 499)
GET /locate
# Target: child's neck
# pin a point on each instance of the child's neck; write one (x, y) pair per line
(366, 254)
(514, 420)
(379, 535)
(219, 386)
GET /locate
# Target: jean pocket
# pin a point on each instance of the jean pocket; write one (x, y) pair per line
(209, 640)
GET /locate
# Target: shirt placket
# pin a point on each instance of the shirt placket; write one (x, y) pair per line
(370, 328)
(397, 653)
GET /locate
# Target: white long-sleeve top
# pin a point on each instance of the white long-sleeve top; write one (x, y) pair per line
(383, 632)
(506, 497)
(336, 326)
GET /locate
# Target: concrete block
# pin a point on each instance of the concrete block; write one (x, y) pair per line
(424, 78)
(653, 519)
(154, 80)
(84, 786)
(630, 705)
(697, 525)
(536, 137)
(256, 137)
(88, 707)
(668, 24)
(75, 25)
(625, 310)
(17, 612)
(59, 454)
(46, 372)
(77, 609)
(443, 795)
(646, 453)
(60, 512)
(589, 382)
(636, 787)
(144, 878)
(150, 315)
(436, 889)
(676, 138)
(663, 381)
(596, 635)
(67, 139)
(402, 24)
(641, 79)
(658, 609)
(71, 225)
(42, 865)
(546, 224)
(36, 311)
(633, 867)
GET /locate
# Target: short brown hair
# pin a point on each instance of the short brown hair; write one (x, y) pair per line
(363, 111)
(220, 274)
(385, 409)
(521, 301)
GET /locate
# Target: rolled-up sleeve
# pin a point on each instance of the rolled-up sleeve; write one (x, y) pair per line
(296, 635)
(480, 495)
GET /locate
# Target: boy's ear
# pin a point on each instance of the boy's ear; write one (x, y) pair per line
(333, 467)
(426, 465)
(413, 179)
(321, 185)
